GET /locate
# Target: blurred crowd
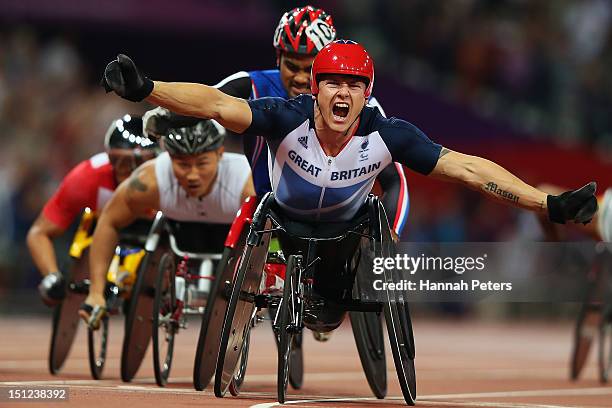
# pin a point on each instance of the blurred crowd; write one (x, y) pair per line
(541, 65)
(51, 117)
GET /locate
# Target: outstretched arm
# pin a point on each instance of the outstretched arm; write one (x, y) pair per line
(188, 99)
(501, 185)
(202, 101)
(489, 178)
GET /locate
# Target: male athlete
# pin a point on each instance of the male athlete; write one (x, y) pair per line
(348, 143)
(89, 184)
(194, 181)
(300, 34)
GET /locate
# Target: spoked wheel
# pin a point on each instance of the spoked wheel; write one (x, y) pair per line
(296, 355)
(65, 315)
(240, 311)
(164, 326)
(97, 341)
(605, 346)
(287, 324)
(138, 324)
(399, 329)
(368, 333)
(236, 383)
(589, 320)
(212, 321)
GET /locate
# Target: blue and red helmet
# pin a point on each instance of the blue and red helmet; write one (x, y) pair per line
(343, 57)
(304, 30)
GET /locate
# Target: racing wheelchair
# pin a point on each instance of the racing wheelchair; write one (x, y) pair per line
(595, 317)
(120, 279)
(329, 270)
(174, 282)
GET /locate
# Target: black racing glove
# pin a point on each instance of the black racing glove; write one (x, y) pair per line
(158, 121)
(52, 288)
(576, 205)
(122, 76)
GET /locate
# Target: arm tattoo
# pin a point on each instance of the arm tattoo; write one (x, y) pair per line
(443, 152)
(135, 183)
(492, 187)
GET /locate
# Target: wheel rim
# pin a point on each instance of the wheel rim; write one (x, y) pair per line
(65, 316)
(286, 326)
(164, 324)
(212, 322)
(138, 326)
(97, 345)
(403, 364)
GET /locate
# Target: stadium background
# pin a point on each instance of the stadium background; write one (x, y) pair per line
(524, 83)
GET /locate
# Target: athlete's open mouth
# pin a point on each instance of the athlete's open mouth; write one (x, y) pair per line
(341, 109)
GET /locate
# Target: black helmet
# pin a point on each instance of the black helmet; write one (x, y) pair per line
(204, 136)
(126, 133)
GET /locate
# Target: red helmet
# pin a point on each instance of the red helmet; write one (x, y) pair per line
(304, 30)
(343, 57)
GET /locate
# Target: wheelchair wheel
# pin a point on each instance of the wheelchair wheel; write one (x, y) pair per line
(65, 315)
(164, 325)
(296, 362)
(605, 346)
(138, 324)
(399, 329)
(368, 333)
(296, 356)
(240, 311)
(234, 387)
(212, 321)
(287, 324)
(97, 341)
(586, 326)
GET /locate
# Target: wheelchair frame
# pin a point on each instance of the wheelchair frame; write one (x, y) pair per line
(245, 298)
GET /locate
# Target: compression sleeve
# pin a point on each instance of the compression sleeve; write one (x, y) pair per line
(395, 197)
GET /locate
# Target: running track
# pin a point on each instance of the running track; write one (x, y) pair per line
(459, 364)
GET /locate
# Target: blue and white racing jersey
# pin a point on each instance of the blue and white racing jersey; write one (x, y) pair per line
(313, 186)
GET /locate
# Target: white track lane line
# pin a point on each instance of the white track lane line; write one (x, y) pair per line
(112, 386)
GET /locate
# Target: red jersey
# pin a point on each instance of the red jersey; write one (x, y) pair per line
(90, 184)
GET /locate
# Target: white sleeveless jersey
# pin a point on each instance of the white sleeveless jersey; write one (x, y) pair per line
(217, 207)
(605, 216)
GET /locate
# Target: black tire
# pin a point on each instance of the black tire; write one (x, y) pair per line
(240, 312)
(586, 324)
(209, 340)
(138, 324)
(97, 341)
(605, 346)
(236, 383)
(286, 325)
(164, 330)
(65, 315)
(370, 341)
(399, 329)
(296, 362)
